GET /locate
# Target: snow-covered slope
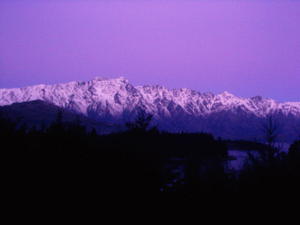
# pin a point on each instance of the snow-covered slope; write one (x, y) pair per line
(114, 97)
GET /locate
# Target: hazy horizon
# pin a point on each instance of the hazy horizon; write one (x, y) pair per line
(245, 47)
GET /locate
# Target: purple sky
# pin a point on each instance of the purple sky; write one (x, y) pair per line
(247, 47)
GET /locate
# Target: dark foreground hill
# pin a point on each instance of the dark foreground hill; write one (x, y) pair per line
(65, 163)
(40, 114)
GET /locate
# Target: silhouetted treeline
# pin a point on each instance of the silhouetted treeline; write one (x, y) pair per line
(246, 145)
(67, 160)
(272, 175)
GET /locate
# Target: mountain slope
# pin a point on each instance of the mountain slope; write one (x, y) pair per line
(40, 114)
(116, 100)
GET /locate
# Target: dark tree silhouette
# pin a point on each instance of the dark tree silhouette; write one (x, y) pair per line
(141, 123)
(66, 159)
(271, 129)
(294, 150)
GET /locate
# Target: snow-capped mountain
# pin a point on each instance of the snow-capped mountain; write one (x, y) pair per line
(114, 96)
(177, 109)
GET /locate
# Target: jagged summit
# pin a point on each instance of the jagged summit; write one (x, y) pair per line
(116, 96)
(227, 94)
(106, 79)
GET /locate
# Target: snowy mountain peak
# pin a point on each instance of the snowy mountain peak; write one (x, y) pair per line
(117, 97)
(111, 80)
(227, 94)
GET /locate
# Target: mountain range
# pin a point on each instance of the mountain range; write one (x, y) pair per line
(111, 103)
